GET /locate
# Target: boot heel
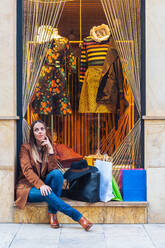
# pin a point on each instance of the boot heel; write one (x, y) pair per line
(85, 223)
(53, 220)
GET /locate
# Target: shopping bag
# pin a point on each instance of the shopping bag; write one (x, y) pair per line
(105, 169)
(121, 177)
(134, 185)
(116, 191)
(83, 182)
(85, 188)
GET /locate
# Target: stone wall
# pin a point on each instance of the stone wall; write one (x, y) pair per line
(155, 110)
(7, 107)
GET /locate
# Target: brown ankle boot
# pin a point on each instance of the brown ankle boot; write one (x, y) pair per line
(85, 223)
(53, 220)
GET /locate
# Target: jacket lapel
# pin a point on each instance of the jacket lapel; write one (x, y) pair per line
(44, 166)
(37, 165)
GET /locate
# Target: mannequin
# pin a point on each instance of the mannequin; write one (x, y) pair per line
(93, 63)
(51, 95)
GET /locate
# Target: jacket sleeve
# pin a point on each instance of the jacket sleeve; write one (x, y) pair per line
(70, 59)
(27, 168)
(122, 102)
(120, 78)
(83, 63)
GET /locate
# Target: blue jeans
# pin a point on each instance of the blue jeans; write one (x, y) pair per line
(55, 180)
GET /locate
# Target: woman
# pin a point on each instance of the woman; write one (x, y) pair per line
(40, 180)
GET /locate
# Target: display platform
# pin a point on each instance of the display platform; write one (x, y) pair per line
(112, 212)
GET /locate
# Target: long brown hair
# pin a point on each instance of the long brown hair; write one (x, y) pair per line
(33, 143)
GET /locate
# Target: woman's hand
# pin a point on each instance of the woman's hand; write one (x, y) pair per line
(45, 190)
(47, 144)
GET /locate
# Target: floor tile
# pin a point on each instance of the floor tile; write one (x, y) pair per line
(156, 234)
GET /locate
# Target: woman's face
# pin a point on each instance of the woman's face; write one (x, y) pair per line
(39, 132)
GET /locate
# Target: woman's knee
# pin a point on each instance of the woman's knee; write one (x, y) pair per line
(49, 197)
(57, 174)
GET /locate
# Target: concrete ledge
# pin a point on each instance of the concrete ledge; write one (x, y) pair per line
(9, 118)
(110, 213)
(153, 118)
(6, 168)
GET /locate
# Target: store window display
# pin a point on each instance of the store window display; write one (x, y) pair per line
(51, 94)
(100, 74)
(84, 110)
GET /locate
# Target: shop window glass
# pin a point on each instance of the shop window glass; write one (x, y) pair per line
(60, 58)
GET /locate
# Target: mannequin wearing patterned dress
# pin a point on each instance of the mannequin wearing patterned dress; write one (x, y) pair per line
(51, 95)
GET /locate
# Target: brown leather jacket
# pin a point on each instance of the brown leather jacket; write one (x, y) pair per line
(31, 174)
(110, 91)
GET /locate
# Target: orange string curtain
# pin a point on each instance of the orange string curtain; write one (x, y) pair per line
(123, 17)
(40, 20)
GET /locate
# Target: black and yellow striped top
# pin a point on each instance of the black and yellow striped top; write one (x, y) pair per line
(92, 54)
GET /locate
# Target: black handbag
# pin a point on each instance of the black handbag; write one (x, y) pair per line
(85, 188)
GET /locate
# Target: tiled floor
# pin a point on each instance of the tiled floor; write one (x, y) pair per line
(73, 236)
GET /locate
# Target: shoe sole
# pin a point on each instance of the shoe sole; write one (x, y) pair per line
(52, 226)
(88, 227)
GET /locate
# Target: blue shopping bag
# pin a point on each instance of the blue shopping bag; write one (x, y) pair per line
(134, 185)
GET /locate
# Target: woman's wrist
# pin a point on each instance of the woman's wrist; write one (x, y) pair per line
(50, 151)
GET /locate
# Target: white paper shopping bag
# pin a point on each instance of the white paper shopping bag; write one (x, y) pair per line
(105, 169)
